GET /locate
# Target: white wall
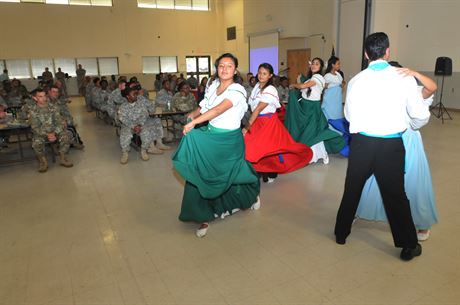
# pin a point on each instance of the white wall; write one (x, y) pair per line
(420, 31)
(351, 36)
(296, 19)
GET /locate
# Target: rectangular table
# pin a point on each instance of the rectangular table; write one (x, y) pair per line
(22, 134)
(167, 116)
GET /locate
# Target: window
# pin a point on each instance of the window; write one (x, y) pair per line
(151, 64)
(18, 68)
(89, 64)
(168, 64)
(200, 5)
(66, 2)
(39, 65)
(147, 3)
(2, 65)
(196, 5)
(108, 66)
(168, 4)
(183, 5)
(157, 64)
(80, 2)
(198, 66)
(67, 65)
(57, 1)
(101, 2)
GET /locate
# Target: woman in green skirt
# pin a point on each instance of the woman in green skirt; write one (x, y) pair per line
(305, 120)
(219, 181)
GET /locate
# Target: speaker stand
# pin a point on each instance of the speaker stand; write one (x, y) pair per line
(439, 109)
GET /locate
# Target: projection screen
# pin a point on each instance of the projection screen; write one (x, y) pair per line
(263, 48)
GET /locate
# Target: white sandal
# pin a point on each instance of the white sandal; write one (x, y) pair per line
(201, 232)
(256, 205)
(422, 236)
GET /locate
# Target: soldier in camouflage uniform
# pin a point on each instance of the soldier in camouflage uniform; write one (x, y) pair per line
(164, 96)
(47, 76)
(100, 96)
(133, 116)
(60, 102)
(60, 76)
(88, 92)
(157, 146)
(115, 99)
(182, 101)
(94, 92)
(47, 125)
(81, 73)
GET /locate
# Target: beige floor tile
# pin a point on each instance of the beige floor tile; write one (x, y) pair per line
(104, 295)
(298, 292)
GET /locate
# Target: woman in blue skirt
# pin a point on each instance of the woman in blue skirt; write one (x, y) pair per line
(332, 98)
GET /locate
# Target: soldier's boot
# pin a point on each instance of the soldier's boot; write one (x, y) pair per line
(124, 157)
(63, 160)
(154, 150)
(161, 146)
(144, 155)
(42, 164)
(78, 145)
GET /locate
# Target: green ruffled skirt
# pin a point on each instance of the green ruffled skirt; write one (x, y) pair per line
(218, 178)
(307, 124)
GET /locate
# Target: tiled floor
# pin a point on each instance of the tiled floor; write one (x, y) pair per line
(104, 233)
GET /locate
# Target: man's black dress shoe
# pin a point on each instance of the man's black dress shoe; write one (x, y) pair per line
(340, 241)
(408, 253)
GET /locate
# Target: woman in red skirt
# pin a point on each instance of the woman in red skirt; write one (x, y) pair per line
(269, 146)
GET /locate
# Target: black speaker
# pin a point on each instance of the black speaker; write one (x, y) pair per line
(443, 66)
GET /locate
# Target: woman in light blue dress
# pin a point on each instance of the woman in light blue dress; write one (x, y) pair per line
(332, 97)
(418, 184)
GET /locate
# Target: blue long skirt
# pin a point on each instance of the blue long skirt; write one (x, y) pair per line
(332, 103)
(417, 182)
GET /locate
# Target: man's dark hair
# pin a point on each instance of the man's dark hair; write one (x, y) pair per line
(127, 91)
(376, 45)
(35, 91)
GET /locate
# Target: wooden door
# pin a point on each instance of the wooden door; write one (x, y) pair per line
(297, 61)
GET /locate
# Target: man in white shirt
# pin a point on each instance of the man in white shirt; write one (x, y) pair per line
(378, 100)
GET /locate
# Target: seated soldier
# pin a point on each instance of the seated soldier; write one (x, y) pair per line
(182, 101)
(133, 115)
(164, 96)
(60, 102)
(155, 123)
(115, 99)
(101, 97)
(47, 125)
(17, 92)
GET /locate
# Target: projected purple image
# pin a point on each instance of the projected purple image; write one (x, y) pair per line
(261, 55)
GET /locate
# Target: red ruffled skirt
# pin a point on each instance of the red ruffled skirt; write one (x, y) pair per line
(271, 149)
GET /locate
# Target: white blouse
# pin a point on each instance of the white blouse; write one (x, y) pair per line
(269, 96)
(333, 80)
(316, 90)
(230, 119)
